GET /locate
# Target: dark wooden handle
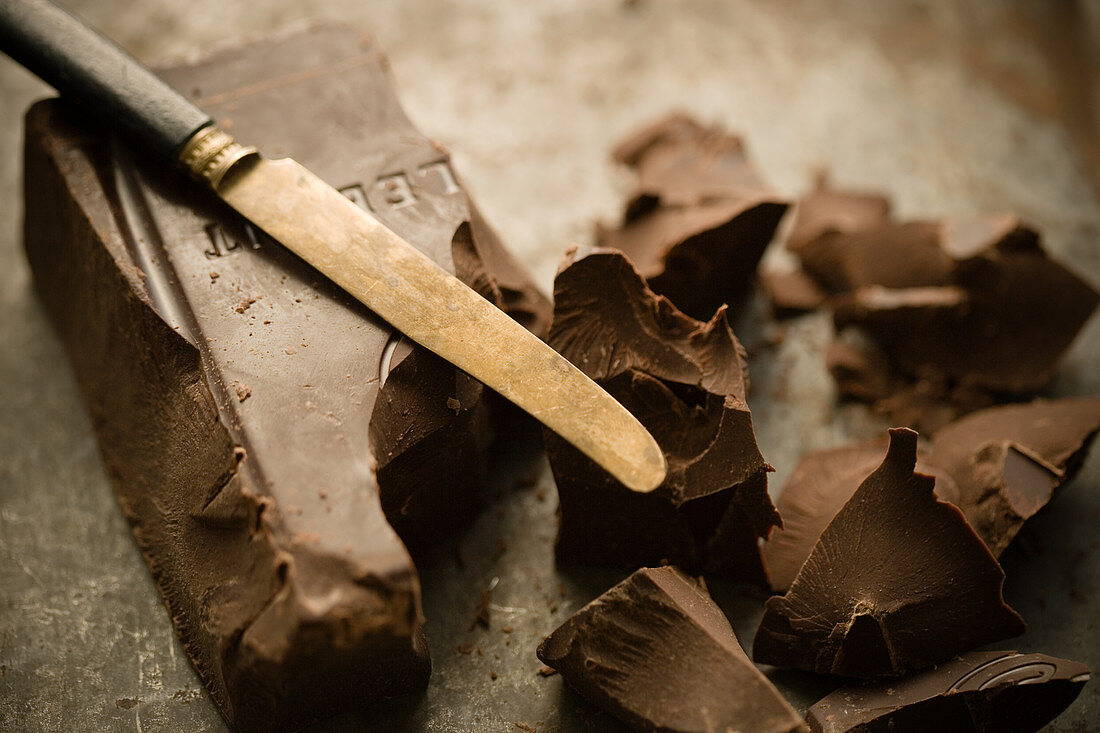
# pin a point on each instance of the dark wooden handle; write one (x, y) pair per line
(93, 71)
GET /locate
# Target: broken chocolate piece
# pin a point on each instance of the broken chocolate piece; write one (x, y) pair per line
(999, 321)
(826, 212)
(262, 519)
(700, 217)
(897, 581)
(792, 291)
(985, 692)
(658, 653)
(820, 486)
(685, 381)
(1008, 461)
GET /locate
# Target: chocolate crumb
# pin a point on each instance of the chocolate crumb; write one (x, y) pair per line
(245, 304)
(507, 629)
(466, 647)
(243, 392)
(127, 703)
(546, 671)
(493, 675)
(453, 404)
(481, 612)
(528, 728)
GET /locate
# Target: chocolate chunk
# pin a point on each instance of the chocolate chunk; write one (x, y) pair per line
(827, 212)
(897, 581)
(999, 321)
(792, 291)
(820, 486)
(685, 381)
(985, 692)
(959, 307)
(262, 518)
(1008, 461)
(656, 652)
(700, 217)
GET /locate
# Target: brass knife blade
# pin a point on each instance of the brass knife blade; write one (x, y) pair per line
(436, 309)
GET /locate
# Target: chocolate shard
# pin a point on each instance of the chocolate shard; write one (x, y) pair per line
(819, 487)
(1009, 461)
(792, 291)
(827, 212)
(700, 217)
(658, 653)
(685, 381)
(259, 426)
(985, 692)
(1000, 319)
(897, 581)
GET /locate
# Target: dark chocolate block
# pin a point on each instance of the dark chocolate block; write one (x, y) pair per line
(699, 218)
(984, 692)
(685, 381)
(658, 653)
(820, 486)
(263, 430)
(898, 581)
(1009, 461)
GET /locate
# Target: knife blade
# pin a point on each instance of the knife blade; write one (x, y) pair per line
(342, 241)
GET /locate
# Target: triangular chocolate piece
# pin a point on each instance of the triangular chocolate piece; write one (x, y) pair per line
(656, 652)
(898, 581)
(820, 486)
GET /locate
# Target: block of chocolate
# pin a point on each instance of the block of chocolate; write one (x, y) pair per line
(265, 433)
(983, 692)
(1009, 461)
(819, 487)
(685, 381)
(656, 652)
(898, 581)
(700, 216)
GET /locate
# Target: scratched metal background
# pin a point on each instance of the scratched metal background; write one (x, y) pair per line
(951, 108)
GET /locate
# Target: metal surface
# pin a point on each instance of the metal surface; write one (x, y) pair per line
(949, 108)
(211, 153)
(440, 312)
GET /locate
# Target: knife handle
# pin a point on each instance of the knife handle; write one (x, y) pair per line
(89, 69)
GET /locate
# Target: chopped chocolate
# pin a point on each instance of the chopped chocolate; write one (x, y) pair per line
(231, 490)
(658, 653)
(820, 486)
(862, 372)
(985, 692)
(700, 217)
(792, 291)
(685, 381)
(827, 212)
(963, 309)
(1008, 461)
(999, 321)
(897, 581)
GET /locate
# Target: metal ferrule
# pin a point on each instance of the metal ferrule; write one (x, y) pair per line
(211, 152)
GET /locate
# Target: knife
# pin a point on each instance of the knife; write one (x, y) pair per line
(345, 243)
